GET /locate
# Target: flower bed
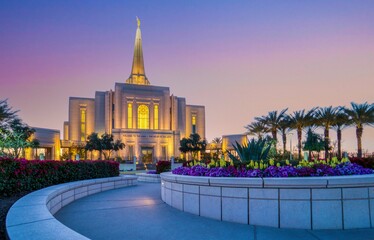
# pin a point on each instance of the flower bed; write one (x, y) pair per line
(23, 175)
(274, 171)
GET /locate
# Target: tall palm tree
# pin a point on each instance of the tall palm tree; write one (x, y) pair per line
(341, 121)
(360, 115)
(299, 120)
(272, 121)
(284, 128)
(217, 141)
(257, 129)
(325, 118)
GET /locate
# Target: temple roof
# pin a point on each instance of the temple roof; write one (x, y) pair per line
(137, 72)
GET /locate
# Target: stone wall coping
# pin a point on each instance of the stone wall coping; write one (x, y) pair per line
(31, 217)
(288, 182)
(148, 175)
(145, 177)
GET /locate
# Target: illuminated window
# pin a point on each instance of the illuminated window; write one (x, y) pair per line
(129, 115)
(143, 117)
(193, 123)
(155, 116)
(83, 123)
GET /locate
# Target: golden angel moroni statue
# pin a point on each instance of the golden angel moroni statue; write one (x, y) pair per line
(138, 20)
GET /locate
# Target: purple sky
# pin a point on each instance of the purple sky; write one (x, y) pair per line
(240, 59)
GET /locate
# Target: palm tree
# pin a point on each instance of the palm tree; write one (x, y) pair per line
(272, 121)
(341, 121)
(284, 128)
(257, 129)
(360, 115)
(299, 120)
(217, 141)
(325, 118)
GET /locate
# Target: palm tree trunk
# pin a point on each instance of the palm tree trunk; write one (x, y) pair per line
(339, 133)
(359, 131)
(284, 138)
(327, 136)
(299, 136)
(274, 133)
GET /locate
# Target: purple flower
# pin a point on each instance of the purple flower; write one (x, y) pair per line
(273, 171)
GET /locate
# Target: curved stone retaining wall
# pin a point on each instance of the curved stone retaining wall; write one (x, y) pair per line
(344, 202)
(31, 217)
(144, 177)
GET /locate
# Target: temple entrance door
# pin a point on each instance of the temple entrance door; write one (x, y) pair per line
(147, 155)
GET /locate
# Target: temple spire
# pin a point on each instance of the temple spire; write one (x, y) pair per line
(137, 72)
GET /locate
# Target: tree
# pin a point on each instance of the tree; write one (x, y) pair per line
(6, 113)
(108, 145)
(299, 120)
(325, 118)
(77, 148)
(16, 138)
(217, 141)
(193, 144)
(284, 128)
(272, 122)
(104, 144)
(341, 121)
(360, 115)
(93, 143)
(257, 129)
(314, 142)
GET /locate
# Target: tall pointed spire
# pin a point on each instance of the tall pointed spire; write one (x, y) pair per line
(137, 72)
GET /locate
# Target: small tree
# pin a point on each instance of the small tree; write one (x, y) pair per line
(108, 145)
(217, 143)
(93, 143)
(314, 142)
(15, 138)
(105, 145)
(192, 145)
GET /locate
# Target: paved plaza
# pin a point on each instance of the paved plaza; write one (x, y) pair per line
(137, 212)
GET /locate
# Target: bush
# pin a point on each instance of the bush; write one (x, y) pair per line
(365, 162)
(163, 166)
(22, 175)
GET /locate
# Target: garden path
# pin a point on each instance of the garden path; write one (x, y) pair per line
(137, 212)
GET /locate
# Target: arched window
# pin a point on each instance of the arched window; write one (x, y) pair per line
(143, 117)
(155, 116)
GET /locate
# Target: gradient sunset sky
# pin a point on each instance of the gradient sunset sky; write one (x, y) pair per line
(241, 59)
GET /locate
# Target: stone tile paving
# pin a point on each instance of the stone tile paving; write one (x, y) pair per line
(137, 212)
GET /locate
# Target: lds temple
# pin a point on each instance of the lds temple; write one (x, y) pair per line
(148, 119)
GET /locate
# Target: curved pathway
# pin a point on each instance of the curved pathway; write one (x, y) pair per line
(137, 212)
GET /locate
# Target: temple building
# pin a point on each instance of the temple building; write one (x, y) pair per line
(148, 119)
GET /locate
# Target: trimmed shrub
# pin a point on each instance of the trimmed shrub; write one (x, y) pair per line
(365, 162)
(22, 175)
(163, 166)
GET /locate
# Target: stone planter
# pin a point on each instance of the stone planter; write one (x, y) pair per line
(144, 177)
(344, 202)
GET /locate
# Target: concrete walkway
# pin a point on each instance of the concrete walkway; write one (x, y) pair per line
(137, 212)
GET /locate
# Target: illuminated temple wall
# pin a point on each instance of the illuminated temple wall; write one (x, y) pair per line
(146, 118)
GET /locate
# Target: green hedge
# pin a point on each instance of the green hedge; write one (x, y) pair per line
(22, 175)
